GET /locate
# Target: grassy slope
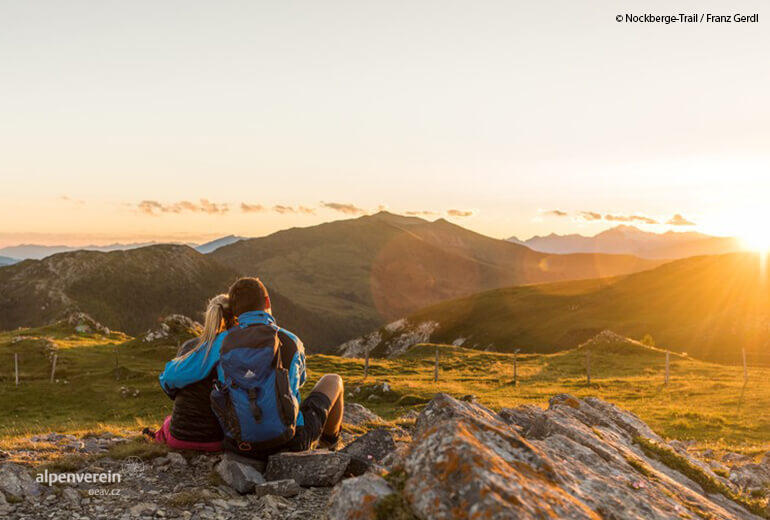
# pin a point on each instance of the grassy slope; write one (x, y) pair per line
(700, 402)
(710, 307)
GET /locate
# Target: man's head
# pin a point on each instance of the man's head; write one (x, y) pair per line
(248, 294)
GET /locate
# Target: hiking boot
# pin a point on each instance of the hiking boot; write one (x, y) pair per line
(330, 442)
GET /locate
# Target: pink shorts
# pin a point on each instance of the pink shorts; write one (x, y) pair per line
(163, 436)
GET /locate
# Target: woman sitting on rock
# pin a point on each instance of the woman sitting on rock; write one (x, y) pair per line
(192, 425)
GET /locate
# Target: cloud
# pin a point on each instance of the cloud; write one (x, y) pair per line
(679, 220)
(422, 213)
(252, 208)
(278, 208)
(65, 198)
(590, 215)
(210, 207)
(555, 213)
(149, 206)
(153, 207)
(630, 218)
(348, 209)
(459, 213)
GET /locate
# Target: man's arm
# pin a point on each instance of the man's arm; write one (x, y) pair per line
(191, 369)
(293, 359)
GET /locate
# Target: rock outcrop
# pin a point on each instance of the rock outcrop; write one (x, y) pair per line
(82, 323)
(578, 459)
(176, 328)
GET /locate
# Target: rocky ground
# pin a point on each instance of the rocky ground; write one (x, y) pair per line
(576, 459)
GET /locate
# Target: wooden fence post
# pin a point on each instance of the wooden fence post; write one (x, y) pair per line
(435, 370)
(668, 356)
(366, 362)
(516, 366)
(16, 364)
(117, 364)
(745, 379)
(745, 367)
(515, 371)
(588, 366)
(53, 366)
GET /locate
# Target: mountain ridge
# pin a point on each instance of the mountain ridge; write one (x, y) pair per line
(328, 282)
(625, 239)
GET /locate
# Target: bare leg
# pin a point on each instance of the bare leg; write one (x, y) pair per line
(332, 387)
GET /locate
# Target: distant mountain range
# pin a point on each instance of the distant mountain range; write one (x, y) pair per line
(38, 252)
(707, 306)
(329, 282)
(4, 260)
(633, 241)
(210, 247)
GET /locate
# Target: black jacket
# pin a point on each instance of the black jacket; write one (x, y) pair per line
(192, 419)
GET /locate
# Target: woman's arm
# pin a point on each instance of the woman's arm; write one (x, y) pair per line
(190, 369)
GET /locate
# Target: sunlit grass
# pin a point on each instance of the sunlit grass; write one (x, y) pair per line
(702, 401)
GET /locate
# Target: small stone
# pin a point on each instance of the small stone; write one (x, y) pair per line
(71, 497)
(564, 399)
(220, 504)
(271, 507)
(241, 477)
(282, 488)
(176, 459)
(142, 508)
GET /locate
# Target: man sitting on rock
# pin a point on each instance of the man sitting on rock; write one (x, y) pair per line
(260, 368)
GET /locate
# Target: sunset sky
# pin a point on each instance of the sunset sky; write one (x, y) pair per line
(125, 121)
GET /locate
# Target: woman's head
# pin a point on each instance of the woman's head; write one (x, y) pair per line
(218, 317)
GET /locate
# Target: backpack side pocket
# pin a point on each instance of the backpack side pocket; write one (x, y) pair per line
(287, 404)
(222, 406)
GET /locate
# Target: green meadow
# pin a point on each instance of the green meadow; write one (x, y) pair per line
(704, 402)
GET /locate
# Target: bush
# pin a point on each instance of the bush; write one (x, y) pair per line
(648, 340)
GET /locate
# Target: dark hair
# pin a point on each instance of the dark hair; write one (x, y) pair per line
(227, 314)
(247, 294)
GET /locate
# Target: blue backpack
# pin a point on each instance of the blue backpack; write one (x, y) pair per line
(251, 396)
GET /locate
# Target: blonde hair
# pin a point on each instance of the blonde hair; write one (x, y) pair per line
(217, 311)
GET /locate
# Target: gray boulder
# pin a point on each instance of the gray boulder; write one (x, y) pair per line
(357, 498)
(357, 414)
(15, 480)
(239, 476)
(372, 446)
(318, 468)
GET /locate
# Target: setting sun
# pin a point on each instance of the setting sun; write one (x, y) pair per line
(756, 237)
